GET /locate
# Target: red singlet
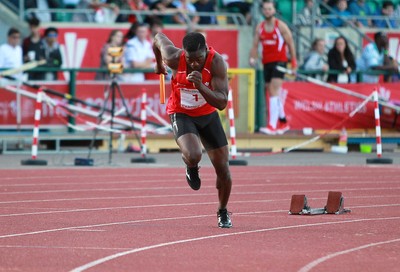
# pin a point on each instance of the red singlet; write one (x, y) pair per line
(185, 98)
(273, 44)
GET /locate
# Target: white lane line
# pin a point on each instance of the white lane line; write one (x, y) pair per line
(88, 230)
(178, 178)
(177, 187)
(63, 247)
(137, 173)
(174, 205)
(170, 196)
(135, 250)
(315, 263)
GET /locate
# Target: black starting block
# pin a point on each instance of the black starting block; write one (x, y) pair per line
(334, 205)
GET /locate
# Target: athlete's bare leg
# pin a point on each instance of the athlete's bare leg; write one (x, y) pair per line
(274, 86)
(191, 149)
(219, 158)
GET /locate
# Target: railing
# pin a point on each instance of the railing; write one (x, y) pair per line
(234, 18)
(73, 72)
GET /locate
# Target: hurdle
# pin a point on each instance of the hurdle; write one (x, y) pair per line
(232, 132)
(143, 132)
(378, 159)
(35, 138)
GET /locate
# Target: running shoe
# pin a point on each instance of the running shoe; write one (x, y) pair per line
(268, 130)
(192, 177)
(283, 126)
(224, 221)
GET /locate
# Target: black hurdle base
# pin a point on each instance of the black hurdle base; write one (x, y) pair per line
(237, 162)
(379, 161)
(83, 162)
(34, 162)
(143, 160)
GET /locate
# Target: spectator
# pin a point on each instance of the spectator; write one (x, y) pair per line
(43, 7)
(305, 16)
(315, 59)
(375, 57)
(206, 6)
(139, 54)
(340, 58)
(128, 5)
(166, 9)
(33, 48)
(360, 8)
(52, 52)
(242, 6)
(340, 9)
(388, 12)
(115, 39)
(11, 51)
(186, 10)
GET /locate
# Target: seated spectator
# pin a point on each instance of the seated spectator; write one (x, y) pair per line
(139, 54)
(375, 57)
(242, 6)
(186, 10)
(305, 16)
(340, 58)
(33, 48)
(11, 51)
(115, 39)
(206, 6)
(314, 61)
(340, 9)
(360, 8)
(387, 11)
(52, 52)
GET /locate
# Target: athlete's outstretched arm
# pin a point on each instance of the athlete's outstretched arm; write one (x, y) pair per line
(218, 96)
(165, 53)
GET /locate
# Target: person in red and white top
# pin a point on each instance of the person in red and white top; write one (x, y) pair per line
(274, 36)
(199, 87)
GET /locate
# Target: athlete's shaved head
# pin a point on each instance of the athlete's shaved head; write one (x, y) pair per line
(193, 42)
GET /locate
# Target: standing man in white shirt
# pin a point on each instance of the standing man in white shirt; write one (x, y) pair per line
(139, 54)
(11, 51)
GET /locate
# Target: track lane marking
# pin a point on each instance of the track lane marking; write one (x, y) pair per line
(135, 250)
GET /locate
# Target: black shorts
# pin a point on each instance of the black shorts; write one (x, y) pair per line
(271, 72)
(208, 127)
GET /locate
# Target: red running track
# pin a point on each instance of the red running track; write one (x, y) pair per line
(148, 219)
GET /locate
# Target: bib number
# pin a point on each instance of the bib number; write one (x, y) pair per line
(191, 98)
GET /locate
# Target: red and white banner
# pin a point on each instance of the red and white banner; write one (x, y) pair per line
(309, 105)
(81, 46)
(306, 104)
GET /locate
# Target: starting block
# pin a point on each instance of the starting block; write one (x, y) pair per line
(298, 204)
(334, 205)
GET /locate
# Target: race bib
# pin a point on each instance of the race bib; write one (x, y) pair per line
(191, 98)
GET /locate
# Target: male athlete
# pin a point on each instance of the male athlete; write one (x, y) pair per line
(199, 86)
(274, 35)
